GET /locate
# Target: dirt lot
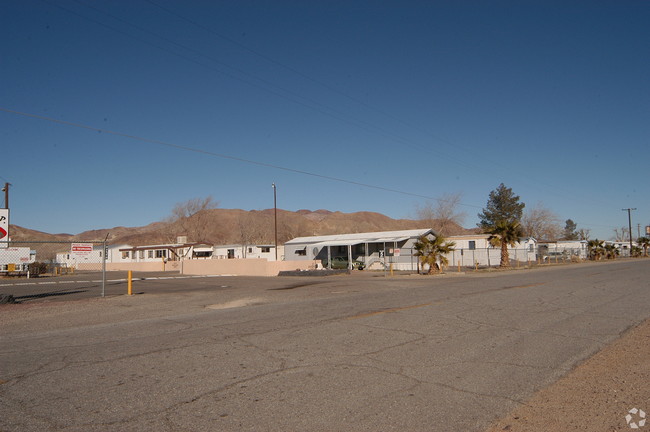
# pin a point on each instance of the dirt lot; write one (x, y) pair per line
(596, 396)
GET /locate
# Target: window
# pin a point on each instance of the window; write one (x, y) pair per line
(161, 253)
(472, 245)
(266, 249)
(141, 254)
(250, 250)
(302, 252)
(150, 254)
(125, 254)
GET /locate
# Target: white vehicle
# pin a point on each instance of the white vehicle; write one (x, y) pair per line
(16, 259)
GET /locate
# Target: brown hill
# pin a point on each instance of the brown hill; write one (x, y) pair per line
(234, 226)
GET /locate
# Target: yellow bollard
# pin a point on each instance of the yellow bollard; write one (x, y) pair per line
(130, 283)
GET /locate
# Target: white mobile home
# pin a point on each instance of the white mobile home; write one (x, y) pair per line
(239, 251)
(475, 250)
(375, 250)
(563, 250)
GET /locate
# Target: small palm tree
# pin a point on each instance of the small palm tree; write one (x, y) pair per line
(596, 249)
(636, 251)
(433, 252)
(611, 251)
(644, 242)
(504, 234)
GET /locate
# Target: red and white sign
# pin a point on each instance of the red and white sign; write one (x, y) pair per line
(4, 224)
(82, 249)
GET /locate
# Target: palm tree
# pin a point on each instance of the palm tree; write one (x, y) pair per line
(504, 234)
(636, 251)
(611, 251)
(596, 249)
(433, 251)
(644, 242)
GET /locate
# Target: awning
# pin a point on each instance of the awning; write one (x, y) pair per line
(203, 249)
(387, 239)
(338, 243)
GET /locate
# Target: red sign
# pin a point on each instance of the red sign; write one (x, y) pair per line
(82, 248)
(4, 224)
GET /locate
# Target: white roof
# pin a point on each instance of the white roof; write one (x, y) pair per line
(357, 238)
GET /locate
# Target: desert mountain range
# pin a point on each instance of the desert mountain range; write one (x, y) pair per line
(233, 226)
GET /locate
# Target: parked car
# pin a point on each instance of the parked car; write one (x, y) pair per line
(341, 263)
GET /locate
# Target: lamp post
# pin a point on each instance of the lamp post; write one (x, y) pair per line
(629, 221)
(275, 218)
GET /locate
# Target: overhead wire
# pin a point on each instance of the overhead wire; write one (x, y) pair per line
(276, 90)
(453, 145)
(219, 155)
(242, 160)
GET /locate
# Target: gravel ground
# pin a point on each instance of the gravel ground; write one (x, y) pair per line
(597, 395)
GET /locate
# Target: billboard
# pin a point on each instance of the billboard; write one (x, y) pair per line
(4, 225)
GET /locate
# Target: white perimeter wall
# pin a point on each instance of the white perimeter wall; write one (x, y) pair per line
(235, 267)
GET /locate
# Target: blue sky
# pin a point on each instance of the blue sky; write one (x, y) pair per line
(425, 98)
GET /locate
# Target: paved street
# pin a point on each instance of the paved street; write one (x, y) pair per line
(342, 353)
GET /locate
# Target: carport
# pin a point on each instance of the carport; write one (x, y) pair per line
(369, 248)
(340, 243)
(383, 241)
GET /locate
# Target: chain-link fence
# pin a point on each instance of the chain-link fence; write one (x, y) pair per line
(484, 258)
(36, 269)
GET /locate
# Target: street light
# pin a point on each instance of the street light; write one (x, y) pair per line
(275, 218)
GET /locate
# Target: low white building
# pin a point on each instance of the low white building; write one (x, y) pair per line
(475, 250)
(239, 251)
(165, 252)
(72, 258)
(563, 250)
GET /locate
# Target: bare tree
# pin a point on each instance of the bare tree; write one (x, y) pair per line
(442, 214)
(583, 234)
(190, 218)
(540, 223)
(254, 228)
(621, 234)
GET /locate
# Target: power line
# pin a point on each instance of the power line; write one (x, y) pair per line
(281, 92)
(447, 142)
(222, 155)
(248, 161)
(270, 87)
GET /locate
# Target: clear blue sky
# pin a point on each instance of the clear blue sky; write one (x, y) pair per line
(422, 97)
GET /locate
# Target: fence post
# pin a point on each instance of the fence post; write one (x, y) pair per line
(104, 267)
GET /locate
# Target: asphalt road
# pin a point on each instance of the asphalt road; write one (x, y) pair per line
(343, 353)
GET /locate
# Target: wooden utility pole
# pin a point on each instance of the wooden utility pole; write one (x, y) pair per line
(6, 191)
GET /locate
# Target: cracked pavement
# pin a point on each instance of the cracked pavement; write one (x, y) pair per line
(354, 353)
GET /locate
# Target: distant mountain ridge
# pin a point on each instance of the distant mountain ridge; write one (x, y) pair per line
(234, 226)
